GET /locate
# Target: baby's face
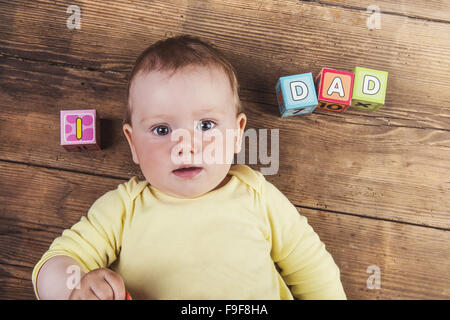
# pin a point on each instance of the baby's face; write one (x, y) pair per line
(184, 120)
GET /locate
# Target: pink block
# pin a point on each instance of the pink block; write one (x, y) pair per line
(80, 130)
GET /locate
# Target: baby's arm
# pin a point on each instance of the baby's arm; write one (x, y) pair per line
(55, 283)
(306, 266)
(92, 245)
(52, 278)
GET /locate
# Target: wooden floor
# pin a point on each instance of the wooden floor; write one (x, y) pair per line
(375, 186)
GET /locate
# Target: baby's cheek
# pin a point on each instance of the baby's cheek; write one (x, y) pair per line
(154, 155)
(218, 150)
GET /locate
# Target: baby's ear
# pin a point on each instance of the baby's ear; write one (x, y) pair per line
(128, 130)
(241, 121)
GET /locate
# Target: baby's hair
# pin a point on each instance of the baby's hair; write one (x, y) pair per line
(177, 52)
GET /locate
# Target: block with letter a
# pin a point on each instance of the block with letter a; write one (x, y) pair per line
(334, 88)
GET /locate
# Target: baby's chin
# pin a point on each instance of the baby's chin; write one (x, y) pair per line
(185, 192)
(188, 189)
(189, 195)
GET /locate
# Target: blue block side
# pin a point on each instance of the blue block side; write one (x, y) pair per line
(298, 82)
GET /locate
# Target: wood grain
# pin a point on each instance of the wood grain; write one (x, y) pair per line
(15, 282)
(434, 10)
(40, 203)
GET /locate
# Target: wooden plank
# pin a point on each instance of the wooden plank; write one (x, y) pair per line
(434, 10)
(377, 170)
(15, 283)
(38, 203)
(261, 36)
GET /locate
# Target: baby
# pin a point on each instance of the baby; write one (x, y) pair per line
(198, 227)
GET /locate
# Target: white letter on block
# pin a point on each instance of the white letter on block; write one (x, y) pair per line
(336, 86)
(295, 95)
(74, 21)
(376, 86)
(374, 281)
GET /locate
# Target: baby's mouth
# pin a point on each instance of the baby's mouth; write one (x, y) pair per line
(187, 172)
(187, 169)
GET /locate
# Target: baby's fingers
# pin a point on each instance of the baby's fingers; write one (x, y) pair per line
(116, 283)
(102, 290)
(87, 294)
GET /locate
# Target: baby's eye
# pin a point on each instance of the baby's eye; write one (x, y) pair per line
(161, 130)
(206, 125)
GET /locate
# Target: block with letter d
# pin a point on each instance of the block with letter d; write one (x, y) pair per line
(334, 89)
(80, 130)
(369, 89)
(296, 94)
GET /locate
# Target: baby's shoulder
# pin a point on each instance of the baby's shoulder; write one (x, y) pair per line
(257, 181)
(132, 188)
(249, 176)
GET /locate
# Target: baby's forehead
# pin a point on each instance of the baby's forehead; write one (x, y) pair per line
(193, 70)
(196, 88)
(194, 77)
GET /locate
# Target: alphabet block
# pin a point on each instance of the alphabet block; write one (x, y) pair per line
(80, 130)
(296, 94)
(334, 89)
(369, 89)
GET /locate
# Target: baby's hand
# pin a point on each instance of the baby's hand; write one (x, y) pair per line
(100, 284)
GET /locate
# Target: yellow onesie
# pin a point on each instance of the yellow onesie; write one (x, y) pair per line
(225, 244)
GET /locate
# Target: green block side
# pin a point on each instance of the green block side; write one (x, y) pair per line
(361, 80)
(364, 105)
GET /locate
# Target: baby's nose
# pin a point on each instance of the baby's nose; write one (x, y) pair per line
(187, 148)
(188, 143)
